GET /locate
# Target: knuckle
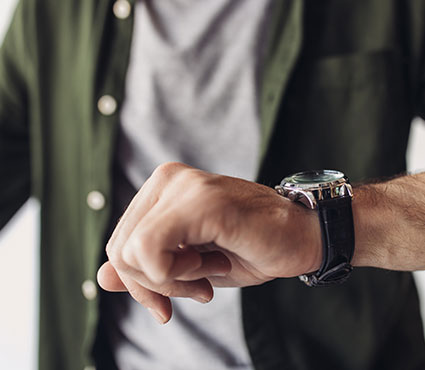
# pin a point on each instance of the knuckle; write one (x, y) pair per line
(113, 256)
(167, 169)
(135, 250)
(143, 255)
(127, 255)
(109, 251)
(158, 276)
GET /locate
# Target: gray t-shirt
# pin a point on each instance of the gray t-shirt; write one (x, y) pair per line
(191, 96)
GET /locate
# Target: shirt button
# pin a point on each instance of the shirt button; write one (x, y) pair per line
(122, 9)
(89, 290)
(107, 105)
(96, 200)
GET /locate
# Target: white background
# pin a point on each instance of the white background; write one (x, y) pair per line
(19, 254)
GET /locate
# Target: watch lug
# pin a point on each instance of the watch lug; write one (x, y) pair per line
(307, 198)
(346, 190)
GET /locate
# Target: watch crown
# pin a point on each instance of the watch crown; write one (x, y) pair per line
(279, 190)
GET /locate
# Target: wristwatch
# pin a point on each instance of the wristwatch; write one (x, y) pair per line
(329, 193)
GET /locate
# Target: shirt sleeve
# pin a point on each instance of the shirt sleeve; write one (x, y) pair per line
(14, 127)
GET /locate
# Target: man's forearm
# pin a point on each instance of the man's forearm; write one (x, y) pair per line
(389, 221)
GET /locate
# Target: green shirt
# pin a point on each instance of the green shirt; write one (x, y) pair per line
(343, 80)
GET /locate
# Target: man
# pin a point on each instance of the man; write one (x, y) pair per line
(337, 85)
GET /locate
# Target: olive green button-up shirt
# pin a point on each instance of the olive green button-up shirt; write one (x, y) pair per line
(342, 81)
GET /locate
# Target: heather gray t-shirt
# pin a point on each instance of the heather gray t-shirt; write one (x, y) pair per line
(191, 96)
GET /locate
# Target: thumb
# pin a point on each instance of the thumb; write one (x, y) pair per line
(109, 280)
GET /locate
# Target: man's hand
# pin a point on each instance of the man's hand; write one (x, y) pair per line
(187, 230)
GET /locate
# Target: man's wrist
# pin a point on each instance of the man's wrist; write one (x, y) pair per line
(363, 213)
(383, 234)
(307, 224)
(316, 242)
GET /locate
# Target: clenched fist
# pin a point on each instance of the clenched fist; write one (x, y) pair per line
(187, 230)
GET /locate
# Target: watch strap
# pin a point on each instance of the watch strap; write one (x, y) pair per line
(336, 223)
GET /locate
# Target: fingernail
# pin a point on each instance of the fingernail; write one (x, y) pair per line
(202, 299)
(157, 316)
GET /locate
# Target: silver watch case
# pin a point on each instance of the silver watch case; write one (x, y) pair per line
(310, 194)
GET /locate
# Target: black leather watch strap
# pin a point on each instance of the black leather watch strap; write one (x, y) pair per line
(336, 222)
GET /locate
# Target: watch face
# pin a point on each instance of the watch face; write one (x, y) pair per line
(314, 177)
